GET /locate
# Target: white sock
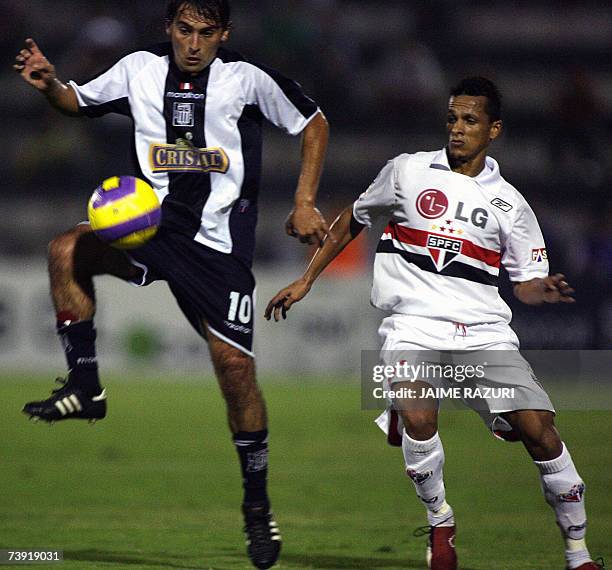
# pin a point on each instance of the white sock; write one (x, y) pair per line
(564, 492)
(424, 465)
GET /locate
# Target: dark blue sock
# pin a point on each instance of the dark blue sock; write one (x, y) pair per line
(79, 343)
(252, 449)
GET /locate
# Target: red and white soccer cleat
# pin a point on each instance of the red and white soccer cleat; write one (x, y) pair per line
(441, 553)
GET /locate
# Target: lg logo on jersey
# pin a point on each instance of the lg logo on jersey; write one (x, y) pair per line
(433, 204)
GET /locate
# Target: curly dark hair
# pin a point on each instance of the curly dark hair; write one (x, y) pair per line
(481, 86)
(218, 11)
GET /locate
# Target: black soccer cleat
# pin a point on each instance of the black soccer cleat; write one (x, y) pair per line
(68, 402)
(263, 538)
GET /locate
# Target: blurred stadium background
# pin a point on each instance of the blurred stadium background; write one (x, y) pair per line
(381, 72)
(163, 487)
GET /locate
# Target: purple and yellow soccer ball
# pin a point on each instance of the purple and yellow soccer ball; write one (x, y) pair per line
(124, 212)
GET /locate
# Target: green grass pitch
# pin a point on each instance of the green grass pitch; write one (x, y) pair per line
(156, 485)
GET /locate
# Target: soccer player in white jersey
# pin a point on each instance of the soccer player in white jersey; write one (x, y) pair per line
(452, 220)
(206, 104)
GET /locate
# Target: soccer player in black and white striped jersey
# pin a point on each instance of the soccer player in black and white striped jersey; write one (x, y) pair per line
(197, 112)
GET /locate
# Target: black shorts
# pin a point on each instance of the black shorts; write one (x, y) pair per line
(209, 286)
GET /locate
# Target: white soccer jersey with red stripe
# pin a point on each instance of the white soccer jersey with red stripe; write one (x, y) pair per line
(447, 235)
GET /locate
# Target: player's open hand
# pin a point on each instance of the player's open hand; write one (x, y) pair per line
(557, 289)
(34, 67)
(308, 225)
(282, 301)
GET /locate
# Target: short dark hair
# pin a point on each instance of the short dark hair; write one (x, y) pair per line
(481, 87)
(215, 10)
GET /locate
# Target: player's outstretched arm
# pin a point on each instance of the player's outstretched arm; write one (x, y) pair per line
(551, 289)
(341, 233)
(36, 70)
(305, 222)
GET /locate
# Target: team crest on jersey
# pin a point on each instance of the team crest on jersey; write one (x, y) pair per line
(443, 250)
(182, 114)
(184, 157)
(539, 254)
(432, 203)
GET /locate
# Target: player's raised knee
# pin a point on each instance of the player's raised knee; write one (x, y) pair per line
(420, 425)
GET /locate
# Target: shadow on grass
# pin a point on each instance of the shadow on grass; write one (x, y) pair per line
(332, 562)
(329, 561)
(128, 559)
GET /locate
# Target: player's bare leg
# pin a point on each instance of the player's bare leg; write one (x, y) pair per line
(246, 412)
(74, 258)
(235, 370)
(424, 457)
(563, 488)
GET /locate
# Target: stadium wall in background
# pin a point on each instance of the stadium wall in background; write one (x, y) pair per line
(141, 328)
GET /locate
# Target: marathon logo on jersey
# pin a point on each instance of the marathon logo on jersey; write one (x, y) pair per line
(419, 478)
(182, 114)
(189, 95)
(539, 254)
(184, 157)
(443, 250)
(574, 495)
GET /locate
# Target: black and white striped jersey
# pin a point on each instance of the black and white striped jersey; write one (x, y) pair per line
(198, 138)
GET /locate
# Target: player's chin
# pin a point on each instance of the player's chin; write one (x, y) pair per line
(456, 153)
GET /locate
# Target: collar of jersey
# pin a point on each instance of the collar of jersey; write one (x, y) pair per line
(489, 178)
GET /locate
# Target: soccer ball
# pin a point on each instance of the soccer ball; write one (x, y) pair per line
(124, 212)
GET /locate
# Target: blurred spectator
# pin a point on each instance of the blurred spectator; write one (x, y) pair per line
(410, 83)
(576, 144)
(101, 40)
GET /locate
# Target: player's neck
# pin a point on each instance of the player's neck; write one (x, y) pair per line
(469, 167)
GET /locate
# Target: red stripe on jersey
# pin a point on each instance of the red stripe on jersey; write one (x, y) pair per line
(419, 237)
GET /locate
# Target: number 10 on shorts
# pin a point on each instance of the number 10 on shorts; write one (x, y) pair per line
(239, 307)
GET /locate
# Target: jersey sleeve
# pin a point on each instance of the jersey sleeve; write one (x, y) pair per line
(108, 92)
(524, 252)
(379, 199)
(281, 100)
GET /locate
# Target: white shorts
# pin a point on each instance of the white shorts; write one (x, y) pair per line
(505, 381)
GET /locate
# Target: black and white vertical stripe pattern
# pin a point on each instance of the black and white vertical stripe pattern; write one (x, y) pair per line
(229, 100)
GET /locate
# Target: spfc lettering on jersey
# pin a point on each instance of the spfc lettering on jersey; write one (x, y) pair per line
(539, 254)
(443, 250)
(184, 157)
(182, 114)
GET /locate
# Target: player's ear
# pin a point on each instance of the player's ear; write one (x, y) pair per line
(495, 129)
(226, 33)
